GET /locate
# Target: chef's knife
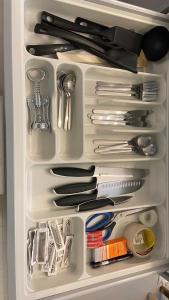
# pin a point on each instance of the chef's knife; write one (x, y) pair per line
(109, 188)
(95, 204)
(94, 171)
(83, 198)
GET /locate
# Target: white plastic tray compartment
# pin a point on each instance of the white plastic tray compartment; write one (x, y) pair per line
(120, 76)
(70, 143)
(158, 253)
(40, 281)
(41, 144)
(41, 182)
(157, 119)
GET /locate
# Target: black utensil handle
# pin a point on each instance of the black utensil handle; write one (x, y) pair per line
(75, 188)
(73, 172)
(89, 24)
(74, 200)
(90, 205)
(40, 50)
(65, 24)
(84, 43)
(72, 37)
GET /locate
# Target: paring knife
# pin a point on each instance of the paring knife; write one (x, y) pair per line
(90, 204)
(109, 188)
(95, 204)
(93, 171)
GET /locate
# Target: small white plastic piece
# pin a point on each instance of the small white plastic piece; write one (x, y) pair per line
(67, 252)
(148, 218)
(56, 234)
(42, 245)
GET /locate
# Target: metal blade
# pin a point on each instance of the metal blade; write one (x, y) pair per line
(130, 173)
(119, 188)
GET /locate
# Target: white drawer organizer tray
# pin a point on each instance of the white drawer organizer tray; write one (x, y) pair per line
(36, 153)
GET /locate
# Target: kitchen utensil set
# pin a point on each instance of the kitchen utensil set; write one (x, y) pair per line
(143, 145)
(146, 91)
(38, 105)
(135, 118)
(107, 188)
(118, 46)
(66, 82)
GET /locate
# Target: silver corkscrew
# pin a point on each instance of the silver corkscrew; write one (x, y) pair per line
(38, 105)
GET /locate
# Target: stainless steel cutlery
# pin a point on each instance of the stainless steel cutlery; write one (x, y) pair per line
(143, 145)
(66, 82)
(146, 91)
(135, 118)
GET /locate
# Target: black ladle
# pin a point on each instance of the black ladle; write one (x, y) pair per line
(155, 43)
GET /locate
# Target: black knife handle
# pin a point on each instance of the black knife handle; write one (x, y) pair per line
(65, 24)
(74, 200)
(75, 188)
(90, 205)
(73, 172)
(47, 49)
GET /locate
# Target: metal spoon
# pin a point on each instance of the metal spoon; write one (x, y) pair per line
(68, 85)
(140, 141)
(150, 150)
(60, 76)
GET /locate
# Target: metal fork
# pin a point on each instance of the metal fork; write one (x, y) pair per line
(146, 91)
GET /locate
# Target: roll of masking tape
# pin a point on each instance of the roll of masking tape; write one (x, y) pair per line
(148, 218)
(140, 239)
